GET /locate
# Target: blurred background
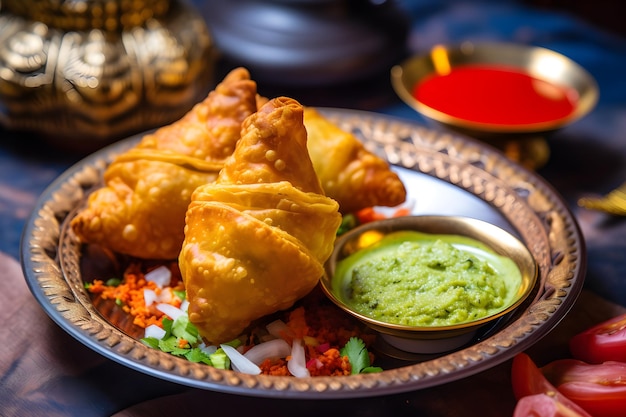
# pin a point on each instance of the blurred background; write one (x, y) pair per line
(107, 69)
(603, 13)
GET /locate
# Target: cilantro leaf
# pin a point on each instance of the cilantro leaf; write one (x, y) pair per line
(153, 342)
(371, 370)
(167, 326)
(359, 357)
(197, 355)
(170, 345)
(348, 222)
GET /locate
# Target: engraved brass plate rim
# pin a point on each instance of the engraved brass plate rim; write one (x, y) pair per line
(541, 219)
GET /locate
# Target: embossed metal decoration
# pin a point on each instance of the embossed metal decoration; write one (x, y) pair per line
(51, 259)
(84, 73)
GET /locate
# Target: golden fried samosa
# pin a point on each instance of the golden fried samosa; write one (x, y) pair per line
(257, 238)
(140, 210)
(349, 173)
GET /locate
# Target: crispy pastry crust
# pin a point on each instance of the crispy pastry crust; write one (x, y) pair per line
(140, 210)
(349, 173)
(256, 239)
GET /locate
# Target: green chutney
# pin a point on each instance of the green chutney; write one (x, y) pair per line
(419, 279)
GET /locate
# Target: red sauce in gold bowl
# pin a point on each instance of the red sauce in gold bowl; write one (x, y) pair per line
(496, 94)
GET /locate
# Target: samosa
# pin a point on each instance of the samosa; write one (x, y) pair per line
(349, 173)
(257, 238)
(140, 210)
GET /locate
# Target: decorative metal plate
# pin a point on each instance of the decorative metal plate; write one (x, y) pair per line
(444, 174)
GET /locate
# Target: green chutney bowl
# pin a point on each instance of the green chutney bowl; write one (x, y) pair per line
(493, 245)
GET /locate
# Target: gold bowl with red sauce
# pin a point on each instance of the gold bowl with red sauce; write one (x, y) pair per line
(506, 94)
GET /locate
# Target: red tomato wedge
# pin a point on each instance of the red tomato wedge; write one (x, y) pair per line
(600, 389)
(603, 342)
(528, 381)
(543, 405)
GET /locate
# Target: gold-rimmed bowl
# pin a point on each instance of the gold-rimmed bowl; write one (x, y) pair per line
(523, 142)
(439, 338)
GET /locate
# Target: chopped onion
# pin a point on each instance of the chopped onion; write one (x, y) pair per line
(275, 348)
(154, 331)
(161, 276)
(208, 349)
(297, 363)
(170, 311)
(239, 362)
(184, 305)
(278, 329)
(149, 296)
(166, 295)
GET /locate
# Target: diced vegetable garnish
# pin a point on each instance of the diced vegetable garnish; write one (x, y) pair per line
(297, 363)
(272, 349)
(155, 332)
(161, 276)
(239, 362)
(348, 222)
(171, 311)
(286, 346)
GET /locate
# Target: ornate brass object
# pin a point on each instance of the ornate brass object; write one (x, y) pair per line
(87, 72)
(612, 203)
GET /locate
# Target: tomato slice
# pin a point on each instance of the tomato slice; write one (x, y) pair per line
(603, 342)
(528, 380)
(600, 389)
(543, 405)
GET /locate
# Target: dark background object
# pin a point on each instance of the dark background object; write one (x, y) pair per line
(308, 42)
(606, 14)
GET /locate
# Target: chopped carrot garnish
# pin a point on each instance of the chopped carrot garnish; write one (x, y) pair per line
(368, 214)
(297, 323)
(129, 294)
(401, 212)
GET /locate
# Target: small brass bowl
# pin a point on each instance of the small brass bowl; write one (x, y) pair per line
(433, 339)
(540, 63)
